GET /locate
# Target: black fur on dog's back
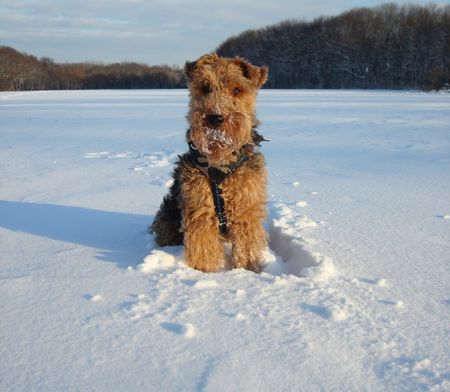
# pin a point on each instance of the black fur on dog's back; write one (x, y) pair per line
(166, 226)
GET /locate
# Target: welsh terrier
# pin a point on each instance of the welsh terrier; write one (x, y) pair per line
(219, 189)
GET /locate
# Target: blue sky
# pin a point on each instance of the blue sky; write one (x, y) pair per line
(152, 31)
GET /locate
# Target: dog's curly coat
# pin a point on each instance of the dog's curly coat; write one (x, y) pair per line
(222, 132)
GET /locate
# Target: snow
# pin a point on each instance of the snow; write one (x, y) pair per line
(355, 294)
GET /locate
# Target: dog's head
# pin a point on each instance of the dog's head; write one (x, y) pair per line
(222, 107)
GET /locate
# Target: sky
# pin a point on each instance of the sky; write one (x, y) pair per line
(148, 31)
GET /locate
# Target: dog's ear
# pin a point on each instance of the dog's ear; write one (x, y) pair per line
(258, 75)
(190, 67)
(263, 75)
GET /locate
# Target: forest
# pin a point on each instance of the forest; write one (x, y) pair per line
(386, 47)
(19, 71)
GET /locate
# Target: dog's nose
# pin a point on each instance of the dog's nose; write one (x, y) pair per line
(215, 119)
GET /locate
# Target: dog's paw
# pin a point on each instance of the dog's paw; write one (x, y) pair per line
(254, 266)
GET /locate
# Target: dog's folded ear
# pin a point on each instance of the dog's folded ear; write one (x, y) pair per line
(258, 75)
(190, 67)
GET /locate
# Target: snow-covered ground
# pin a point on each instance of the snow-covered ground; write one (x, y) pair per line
(356, 293)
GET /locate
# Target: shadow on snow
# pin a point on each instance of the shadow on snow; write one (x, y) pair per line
(120, 237)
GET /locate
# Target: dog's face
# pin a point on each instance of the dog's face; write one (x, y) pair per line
(222, 107)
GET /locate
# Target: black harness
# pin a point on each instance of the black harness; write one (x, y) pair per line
(216, 176)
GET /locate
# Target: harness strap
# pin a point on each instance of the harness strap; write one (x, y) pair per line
(216, 176)
(219, 205)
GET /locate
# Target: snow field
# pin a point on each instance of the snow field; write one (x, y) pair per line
(354, 294)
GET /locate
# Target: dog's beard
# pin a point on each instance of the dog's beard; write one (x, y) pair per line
(220, 145)
(216, 138)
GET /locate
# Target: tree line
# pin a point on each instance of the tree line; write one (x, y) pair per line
(387, 47)
(20, 71)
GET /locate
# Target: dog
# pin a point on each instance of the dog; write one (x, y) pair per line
(219, 193)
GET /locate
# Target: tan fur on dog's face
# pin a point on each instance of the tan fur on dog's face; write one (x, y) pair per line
(226, 88)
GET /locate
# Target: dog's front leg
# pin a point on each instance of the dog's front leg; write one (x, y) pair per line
(203, 249)
(249, 239)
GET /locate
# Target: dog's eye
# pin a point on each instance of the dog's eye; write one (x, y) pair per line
(236, 91)
(206, 88)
